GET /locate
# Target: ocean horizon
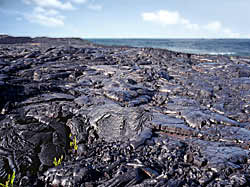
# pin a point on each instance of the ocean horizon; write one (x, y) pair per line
(216, 46)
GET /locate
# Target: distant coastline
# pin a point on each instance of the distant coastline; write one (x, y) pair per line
(218, 46)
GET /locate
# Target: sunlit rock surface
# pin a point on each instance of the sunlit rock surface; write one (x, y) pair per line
(121, 116)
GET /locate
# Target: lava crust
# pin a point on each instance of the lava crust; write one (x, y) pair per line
(78, 114)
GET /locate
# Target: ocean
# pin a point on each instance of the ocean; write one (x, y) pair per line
(232, 47)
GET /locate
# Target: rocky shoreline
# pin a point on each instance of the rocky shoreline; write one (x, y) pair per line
(77, 114)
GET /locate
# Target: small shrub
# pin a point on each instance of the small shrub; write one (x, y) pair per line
(74, 144)
(57, 162)
(10, 180)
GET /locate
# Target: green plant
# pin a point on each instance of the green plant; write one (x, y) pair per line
(73, 144)
(10, 180)
(57, 163)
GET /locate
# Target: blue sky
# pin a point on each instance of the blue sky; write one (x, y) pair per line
(126, 18)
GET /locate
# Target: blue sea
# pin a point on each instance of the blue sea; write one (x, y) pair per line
(232, 47)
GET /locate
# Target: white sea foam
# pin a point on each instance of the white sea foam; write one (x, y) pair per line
(221, 53)
(197, 51)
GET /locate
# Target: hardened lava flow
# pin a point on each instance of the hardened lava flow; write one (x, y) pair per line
(78, 114)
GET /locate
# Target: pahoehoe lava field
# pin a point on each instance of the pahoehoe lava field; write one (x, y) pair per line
(74, 113)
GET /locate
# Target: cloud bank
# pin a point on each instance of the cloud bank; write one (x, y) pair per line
(50, 12)
(50, 18)
(165, 17)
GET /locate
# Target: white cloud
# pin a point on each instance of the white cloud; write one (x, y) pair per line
(230, 33)
(217, 27)
(213, 26)
(165, 17)
(50, 17)
(95, 7)
(247, 36)
(46, 12)
(51, 4)
(79, 1)
(50, 12)
(189, 25)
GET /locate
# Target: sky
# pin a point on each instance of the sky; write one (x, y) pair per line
(126, 18)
